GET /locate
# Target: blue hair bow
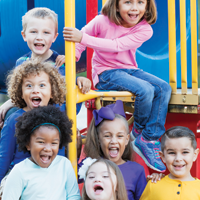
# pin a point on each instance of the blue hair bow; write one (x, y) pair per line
(108, 112)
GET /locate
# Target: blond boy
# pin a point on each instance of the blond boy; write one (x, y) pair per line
(40, 30)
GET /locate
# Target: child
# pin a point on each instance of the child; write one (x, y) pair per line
(45, 175)
(30, 85)
(115, 35)
(103, 180)
(108, 137)
(40, 30)
(179, 151)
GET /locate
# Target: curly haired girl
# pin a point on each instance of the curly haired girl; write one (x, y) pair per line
(42, 132)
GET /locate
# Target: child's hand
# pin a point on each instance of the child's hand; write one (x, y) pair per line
(60, 60)
(84, 84)
(155, 177)
(79, 143)
(72, 34)
(3, 109)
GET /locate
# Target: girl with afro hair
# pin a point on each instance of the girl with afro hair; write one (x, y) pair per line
(42, 132)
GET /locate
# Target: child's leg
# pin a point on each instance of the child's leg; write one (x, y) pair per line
(124, 80)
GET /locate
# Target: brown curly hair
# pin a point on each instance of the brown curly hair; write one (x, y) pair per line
(32, 67)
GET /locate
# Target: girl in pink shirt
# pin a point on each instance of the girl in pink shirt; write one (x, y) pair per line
(123, 26)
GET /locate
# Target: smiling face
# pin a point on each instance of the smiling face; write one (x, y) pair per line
(113, 139)
(36, 90)
(131, 11)
(44, 145)
(179, 156)
(100, 183)
(39, 35)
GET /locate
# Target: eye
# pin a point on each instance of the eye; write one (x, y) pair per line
(40, 142)
(42, 85)
(46, 32)
(185, 152)
(120, 136)
(105, 176)
(171, 152)
(54, 143)
(91, 177)
(28, 85)
(140, 2)
(33, 31)
(107, 136)
(127, 2)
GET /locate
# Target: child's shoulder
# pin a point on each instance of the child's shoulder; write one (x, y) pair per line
(130, 165)
(14, 116)
(23, 58)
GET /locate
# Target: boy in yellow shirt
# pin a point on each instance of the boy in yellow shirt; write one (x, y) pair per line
(179, 151)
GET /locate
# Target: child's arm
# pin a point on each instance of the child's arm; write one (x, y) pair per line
(3, 109)
(13, 186)
(127, 42)
(71, 186)
(146, 195)
(7, 147)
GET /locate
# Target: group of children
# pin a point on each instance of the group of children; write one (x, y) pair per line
(33, 163)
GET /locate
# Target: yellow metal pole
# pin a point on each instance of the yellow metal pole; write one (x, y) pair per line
(183, 47)
(193, 11)
(103, 2)
(172, 45)
(70, 74)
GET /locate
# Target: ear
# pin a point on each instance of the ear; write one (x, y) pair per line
(162, 156)
(127, 138)
(196, 152)
(24, 36)
(28, 147)
(56, 35)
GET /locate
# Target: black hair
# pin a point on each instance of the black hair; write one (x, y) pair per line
(178, 132)
(37, 116)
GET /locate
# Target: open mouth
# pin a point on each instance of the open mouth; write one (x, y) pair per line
(113, 152)
(36, 101)
(45, 158)
(98, 189)
(133, 16)
(178, 167)
(39, 46)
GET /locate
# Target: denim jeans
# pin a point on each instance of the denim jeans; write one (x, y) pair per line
(152, 97)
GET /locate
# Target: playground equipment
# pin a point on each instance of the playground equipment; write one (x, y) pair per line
(184, 104)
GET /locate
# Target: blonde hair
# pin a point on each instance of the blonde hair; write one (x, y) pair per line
(32, 67)
(41, 13)
(121, 193)
(111, 6)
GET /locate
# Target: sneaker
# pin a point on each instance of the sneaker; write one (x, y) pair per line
(149, 152)
(135, 133)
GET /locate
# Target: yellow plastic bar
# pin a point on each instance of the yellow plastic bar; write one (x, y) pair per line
(70, 74)
(103, 2)
(193, 11)
(172, 45)
(94, 94)
(183, 47)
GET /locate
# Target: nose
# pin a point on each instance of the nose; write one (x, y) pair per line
(47, 147)
(98, 178)
(113, 139)
(178, 157)
(39, 36)
(35, 89)
(134, 6)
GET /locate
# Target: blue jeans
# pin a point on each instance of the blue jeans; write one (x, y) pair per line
(152, 97)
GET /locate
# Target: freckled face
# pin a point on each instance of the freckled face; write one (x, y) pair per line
(131, 11)
(113, 139)
(100, 183)
(179, 156)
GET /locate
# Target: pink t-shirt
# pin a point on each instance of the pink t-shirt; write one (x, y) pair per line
(114, 46)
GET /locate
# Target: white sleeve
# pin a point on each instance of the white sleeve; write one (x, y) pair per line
(14, 185)
(72, 190)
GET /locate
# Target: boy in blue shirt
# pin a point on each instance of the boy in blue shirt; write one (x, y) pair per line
(40, 30)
